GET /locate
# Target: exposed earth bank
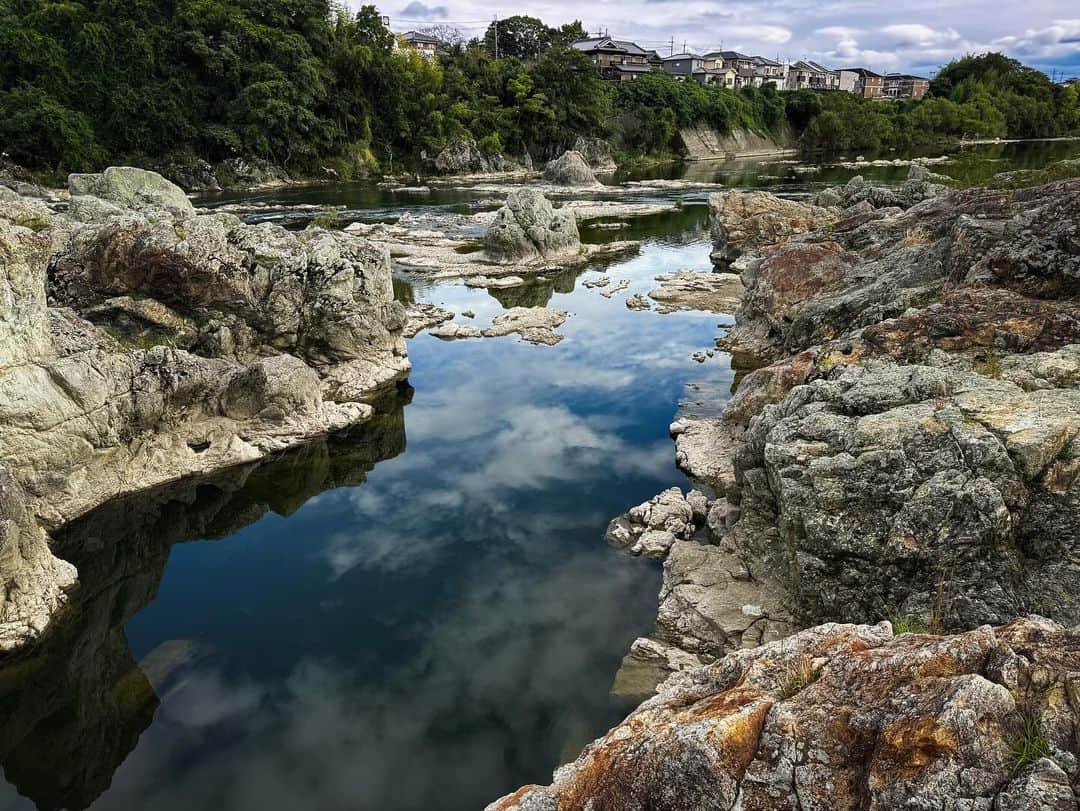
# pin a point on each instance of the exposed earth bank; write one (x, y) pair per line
(905, 445)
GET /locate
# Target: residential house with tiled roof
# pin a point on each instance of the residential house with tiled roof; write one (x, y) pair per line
(617, 59)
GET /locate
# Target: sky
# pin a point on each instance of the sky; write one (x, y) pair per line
(917, 36)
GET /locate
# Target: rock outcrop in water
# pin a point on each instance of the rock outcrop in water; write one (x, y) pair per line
(527, 229)
(847, 717)
(216, 343)
(570, 169)
(596, 152)
(912, 450)
(463, 157)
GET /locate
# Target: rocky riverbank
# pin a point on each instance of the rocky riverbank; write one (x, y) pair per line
(142, 342)
(904, 445)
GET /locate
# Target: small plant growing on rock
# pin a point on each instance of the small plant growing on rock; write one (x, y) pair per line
(1030, 744)
(326, 218)
(798, 677)
(990, 366)
(903, 624)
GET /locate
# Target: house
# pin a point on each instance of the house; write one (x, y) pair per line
(767, 71)
(862, 82)
(701, 70)
(423, 44)
(742, 64)
(807, 75)
(904, 86)
(617, 59)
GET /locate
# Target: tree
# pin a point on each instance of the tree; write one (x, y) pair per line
(518, 36)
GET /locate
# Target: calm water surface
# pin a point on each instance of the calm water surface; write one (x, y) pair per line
(418, 615)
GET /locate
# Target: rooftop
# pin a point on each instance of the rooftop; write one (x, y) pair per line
(609, 44)
(416, 36)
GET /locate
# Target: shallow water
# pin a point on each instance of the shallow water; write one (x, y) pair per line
(421, 614)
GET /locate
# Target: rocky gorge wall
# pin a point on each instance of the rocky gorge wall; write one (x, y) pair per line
(145, 342)
(903, 444)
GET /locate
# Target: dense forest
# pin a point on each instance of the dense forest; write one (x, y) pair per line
(306, 84)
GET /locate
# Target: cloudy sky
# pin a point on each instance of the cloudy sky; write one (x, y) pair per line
(919, 35)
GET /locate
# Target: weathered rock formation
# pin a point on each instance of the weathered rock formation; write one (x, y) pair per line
(847, 717)
(570, 169)
(463, 157)
(743, 221)
(921, 184)
(597, 153)
(215, 343)
(527, 229)
(912, 451)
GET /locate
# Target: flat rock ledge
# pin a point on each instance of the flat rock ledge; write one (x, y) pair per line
(847, 717)
(142, 342)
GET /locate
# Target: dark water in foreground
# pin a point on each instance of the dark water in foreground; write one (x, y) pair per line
(421, 614)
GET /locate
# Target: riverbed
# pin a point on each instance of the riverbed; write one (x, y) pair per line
(421, 614)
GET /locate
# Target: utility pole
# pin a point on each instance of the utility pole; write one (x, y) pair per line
(671, 47)
(496, 24)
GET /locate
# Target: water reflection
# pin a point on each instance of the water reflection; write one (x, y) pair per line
(72, 710)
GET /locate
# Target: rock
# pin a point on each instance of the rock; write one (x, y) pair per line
(570, 169)
(452, 332)
(535, 325)
(743, 221)
(712, 602)
(617, 287)
(648, 664)
(190, 174)
(421, 316)
(131, 188)
(528, 229)
(596, 152)
(652, 527)
(693, 290)
(241, 173)
(35, 582)
(837, 716)
(636, 301)
(463, 157)
(921, 184)
(287, 333)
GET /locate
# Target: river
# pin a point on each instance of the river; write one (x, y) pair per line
(421, 614)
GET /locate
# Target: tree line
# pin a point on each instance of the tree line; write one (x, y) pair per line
(307, 84)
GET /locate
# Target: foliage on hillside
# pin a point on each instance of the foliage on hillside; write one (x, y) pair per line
(306, 84)
(987, 96)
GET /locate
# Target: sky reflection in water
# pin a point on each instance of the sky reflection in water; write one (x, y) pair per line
(449, 629)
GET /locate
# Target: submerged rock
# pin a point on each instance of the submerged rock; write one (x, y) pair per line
(527, 228)
(845, 717)
(570, 169)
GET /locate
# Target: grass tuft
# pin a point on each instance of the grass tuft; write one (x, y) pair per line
(798, 677)
(1030, 744)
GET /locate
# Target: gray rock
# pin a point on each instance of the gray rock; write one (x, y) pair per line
(136, 189)
(528, 229)
(596, 152)
(570, 169)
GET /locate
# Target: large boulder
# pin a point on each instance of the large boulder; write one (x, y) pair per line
(596, 152)
(846, 717)
(288, 335)
(462, 157)
(743, 221)
(570, 169)
(528, 229)
(136, 189)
